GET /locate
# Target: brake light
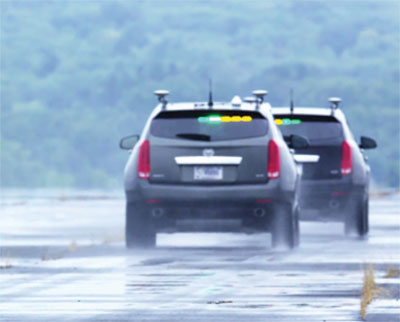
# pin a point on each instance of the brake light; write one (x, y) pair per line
(274, 167)
(347, 158)
(144, 160)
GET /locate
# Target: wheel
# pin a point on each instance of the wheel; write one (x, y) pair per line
(356, 217)
(297, 227)
(285, 227)
(139, 231)
(366, 215)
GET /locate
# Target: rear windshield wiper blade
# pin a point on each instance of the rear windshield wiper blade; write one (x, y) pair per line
(194, 136)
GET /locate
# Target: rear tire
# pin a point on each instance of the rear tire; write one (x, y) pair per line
(297, 227)
(285, 227)
(356, 217)
(139, 230)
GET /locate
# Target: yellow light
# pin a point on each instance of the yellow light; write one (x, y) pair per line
(278, 121)
(236, 118)
(246, 118)
(225, 118)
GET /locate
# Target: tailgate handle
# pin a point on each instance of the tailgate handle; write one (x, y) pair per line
(192, 160)
(306, 158)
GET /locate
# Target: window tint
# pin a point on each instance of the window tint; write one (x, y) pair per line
(209, 125)
(317, 129)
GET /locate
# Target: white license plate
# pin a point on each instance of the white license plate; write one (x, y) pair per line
(208, 173)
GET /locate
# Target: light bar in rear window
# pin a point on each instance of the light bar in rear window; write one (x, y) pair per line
(213, 119)
(287, 121)
(206, 125)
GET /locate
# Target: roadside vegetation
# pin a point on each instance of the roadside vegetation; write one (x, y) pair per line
(5, 261)
(72, 248)
(370, 290)
(392, 272)
(76, 76)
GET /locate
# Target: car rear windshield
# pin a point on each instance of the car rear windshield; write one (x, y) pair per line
(209, 125)
(317, 129)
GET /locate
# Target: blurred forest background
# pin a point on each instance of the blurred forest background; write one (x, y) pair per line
(76, 76)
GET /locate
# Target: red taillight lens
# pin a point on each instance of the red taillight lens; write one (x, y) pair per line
(274, 166)
(347, 158)
(144, 160)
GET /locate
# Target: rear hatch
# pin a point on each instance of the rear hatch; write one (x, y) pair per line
(208, 147)
(325, 135)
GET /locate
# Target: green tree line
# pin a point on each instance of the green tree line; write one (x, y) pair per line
(76, 76)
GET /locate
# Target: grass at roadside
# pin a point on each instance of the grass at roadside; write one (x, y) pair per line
(392, 272)
(370, 289)
(5, 261)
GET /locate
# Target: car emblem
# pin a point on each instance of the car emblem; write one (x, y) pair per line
(208, 152)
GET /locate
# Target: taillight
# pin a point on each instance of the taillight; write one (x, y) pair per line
(347, 158)
(274, 167)
(144, 160)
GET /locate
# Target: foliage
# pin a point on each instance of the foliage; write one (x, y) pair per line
(76, 76)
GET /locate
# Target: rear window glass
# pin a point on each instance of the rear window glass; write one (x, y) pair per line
(209, 125)
(317, 129)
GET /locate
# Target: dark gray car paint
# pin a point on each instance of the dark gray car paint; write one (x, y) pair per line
(246, 189)
(354, 185)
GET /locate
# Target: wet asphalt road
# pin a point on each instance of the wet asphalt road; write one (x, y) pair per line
(63, 259)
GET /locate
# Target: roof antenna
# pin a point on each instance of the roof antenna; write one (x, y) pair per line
(291, 101)
(335, 101)
(161, 94)
(210, 99)
(259, 94)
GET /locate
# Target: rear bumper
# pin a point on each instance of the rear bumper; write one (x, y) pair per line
(191, 207)
(225, 195)
(327, 197)
(211, 216)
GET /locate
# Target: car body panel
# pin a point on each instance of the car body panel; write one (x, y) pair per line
(322, 192)
(246, 186)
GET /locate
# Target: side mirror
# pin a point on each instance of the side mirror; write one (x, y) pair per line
(297, 142)
(367, 143)
(128, 142)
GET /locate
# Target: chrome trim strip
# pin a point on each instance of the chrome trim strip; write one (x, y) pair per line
(306, 158)
(197, 160)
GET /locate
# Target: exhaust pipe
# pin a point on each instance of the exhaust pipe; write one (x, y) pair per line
(334, 204)
(259, 212)
(157, 212)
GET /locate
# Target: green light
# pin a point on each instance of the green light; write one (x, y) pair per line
(217, 119)
(214, 119)
(287, 121)
(211, 119)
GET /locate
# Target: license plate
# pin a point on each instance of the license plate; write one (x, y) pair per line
(208, 173)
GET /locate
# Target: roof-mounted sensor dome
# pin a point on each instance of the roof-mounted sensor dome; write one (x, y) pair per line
(161, 94)
(236, 101)
(250, 99)
(335, 101)
(260, 93)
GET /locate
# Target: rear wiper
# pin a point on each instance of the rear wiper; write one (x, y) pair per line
(194, 136)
